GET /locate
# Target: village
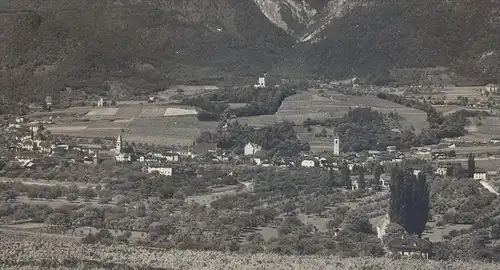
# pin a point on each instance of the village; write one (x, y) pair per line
(317, 165)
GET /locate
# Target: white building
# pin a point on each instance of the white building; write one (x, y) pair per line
(307, 163)
(248, 186)
(257, 161)
(491, 88)
(100, 102)
(171, 158)
(441, 171)
(262, 83)
(480, 176)
(122, 157)
(336, 144)
(160, 169)
(251, 148)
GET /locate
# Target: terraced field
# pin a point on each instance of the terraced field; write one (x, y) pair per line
(102, 112)
(158, 124)
(309, 105)
(128, 112)
(166, 130)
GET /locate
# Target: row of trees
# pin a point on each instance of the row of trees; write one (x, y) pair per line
(215, 105)
(409, 200)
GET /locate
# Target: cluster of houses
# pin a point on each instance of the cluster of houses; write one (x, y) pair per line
(29, 143)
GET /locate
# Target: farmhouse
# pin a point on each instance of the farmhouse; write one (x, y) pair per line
(495, 140)
(480, 175)
(441, 171)
(122, 157)
(407, 246)
(166, 157)
(247, 186)
(160, 168)
(491, 88)
(261, 83)
(251, 148)
(308, 163)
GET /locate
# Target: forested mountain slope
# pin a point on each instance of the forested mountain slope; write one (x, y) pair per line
(135, 46)
(47, 44)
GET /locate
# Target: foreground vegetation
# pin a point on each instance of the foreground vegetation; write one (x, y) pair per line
(35, 252)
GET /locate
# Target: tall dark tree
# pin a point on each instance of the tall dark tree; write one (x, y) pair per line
(409, 205)
(346, 176)
(377, 172)
(397, 196)
(361, 178)
(471, 165)
(331, 177)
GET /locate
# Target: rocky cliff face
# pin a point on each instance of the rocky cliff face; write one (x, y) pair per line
(306, 19)
(343, 38)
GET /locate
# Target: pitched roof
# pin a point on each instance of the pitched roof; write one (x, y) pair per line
(411, 243)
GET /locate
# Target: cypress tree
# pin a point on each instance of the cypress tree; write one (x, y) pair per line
(346, 176)
(409, 200)
(361, 178)
(421, 204)
(396, 202)
(471, 166)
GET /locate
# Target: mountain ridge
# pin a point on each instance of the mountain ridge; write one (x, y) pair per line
(147, 45)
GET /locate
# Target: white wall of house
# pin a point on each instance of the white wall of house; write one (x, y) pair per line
(172, 158)
(261, 83)
(122, 157)
(441, 171)
(480, 176)
(307, 163)
(250, 149)
(257, 161)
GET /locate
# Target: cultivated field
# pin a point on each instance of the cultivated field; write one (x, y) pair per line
(451, 93)
(166, 130)
(155, 124)
(308, 105)
(102, 112)
(258, 121)
(485, 125)
(187, 90)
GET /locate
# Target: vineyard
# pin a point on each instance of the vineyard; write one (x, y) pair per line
(46, 251)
